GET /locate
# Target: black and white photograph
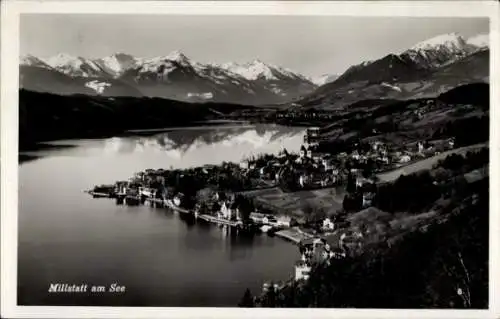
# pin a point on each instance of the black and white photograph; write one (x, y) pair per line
(232, 160)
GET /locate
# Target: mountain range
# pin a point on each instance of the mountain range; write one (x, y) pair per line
(427, 69)
(173, 76)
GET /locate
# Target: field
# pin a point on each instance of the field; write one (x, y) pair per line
(427, 163)
(293, 203)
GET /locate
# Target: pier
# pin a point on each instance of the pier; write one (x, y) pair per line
(216, 220)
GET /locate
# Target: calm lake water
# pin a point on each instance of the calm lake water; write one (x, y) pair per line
(65, 236)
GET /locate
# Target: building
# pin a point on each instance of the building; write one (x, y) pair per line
(327, 164)
(284, 221)
(230, 211)
(270, 220)
(313, 132)
(367, 199)
(451, 142)
(302, 269)
(359, 182)
(262, 171)
(328, 224)
(304, 180)
(178, 199)
(257, 218)
(405, 159)
(420, 147)
(355, 155)
(302, 152)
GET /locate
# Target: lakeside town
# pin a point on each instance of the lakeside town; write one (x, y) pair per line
(255, 194)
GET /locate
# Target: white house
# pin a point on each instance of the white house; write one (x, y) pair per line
(405, 159)
(420, 147)
(265, 220)
(178, 199)
(355, 155)
(262, 171)
(328, 224)
(283, 220)
(359, 182)
(376, 145)
(235, 212)
(451, 142)
(302, 269)
(304, 180)
(327, 164)
(226, 210)
(244, 164)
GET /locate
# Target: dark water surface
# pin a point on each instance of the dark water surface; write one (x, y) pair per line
(162, 259)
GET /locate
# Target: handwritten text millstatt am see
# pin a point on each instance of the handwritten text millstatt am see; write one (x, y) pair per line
(82, 288)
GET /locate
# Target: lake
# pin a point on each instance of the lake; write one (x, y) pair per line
(67, 237)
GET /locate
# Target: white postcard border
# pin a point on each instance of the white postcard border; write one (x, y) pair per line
(10, 12)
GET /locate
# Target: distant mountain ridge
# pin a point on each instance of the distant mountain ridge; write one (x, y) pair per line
(323, 79)
(173, 76)
(426, 69)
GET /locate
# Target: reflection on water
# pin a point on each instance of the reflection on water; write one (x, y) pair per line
(176, 148)
(163, 258)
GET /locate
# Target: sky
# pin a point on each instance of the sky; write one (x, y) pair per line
(311, 45)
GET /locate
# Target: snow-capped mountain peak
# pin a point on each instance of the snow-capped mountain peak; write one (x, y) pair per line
(166, 63)
(176, 76)
(451, 41)
(480, 41)
(178, 57)
(323, 79)
(439, 50)
(74, 66)
(251, 70)
(30, 60)
(117, 63)
(62, 59)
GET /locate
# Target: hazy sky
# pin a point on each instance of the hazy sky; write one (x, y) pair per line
(313, 45)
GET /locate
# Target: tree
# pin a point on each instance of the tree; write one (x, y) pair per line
(352, 202)
(245, 206)
(247, 301)
(351, 183)
(270, 297)
(215, 207)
